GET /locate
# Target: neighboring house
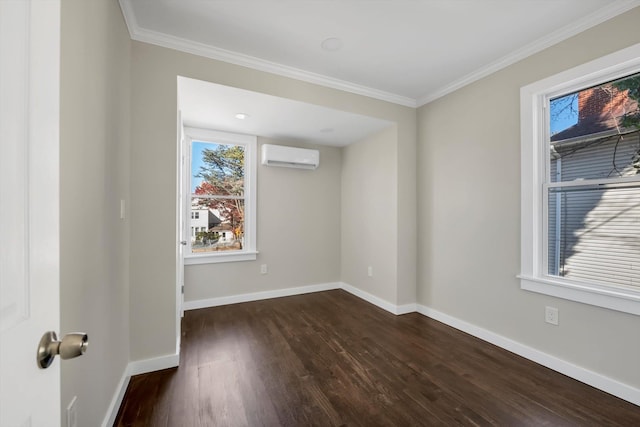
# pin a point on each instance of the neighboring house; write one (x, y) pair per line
(225, 231)
(593, 231)
(202, 220)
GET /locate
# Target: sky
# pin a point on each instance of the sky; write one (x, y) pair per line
(197, 149)
(196, 162)
(567, 118)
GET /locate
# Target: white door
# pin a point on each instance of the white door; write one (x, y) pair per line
(29, 208)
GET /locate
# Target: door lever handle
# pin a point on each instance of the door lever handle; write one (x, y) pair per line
(72, 345)
(183, 242)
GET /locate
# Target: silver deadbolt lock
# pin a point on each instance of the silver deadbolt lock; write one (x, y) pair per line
(72, 345)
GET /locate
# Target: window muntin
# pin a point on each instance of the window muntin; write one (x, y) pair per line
(551, 189)
(220, 176)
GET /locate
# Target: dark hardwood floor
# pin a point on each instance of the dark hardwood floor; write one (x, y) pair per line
(332, 359)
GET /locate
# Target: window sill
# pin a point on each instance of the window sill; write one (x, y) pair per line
(626, 301)
(219, 258)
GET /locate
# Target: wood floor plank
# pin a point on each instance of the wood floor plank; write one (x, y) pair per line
(331, 359)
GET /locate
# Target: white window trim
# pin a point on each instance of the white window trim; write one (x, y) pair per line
(534, 154)
(249, 252)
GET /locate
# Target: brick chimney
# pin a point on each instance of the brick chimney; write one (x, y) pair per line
(601, 103)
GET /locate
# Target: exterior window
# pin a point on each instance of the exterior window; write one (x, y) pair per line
(221, 196)
(593, 205)
(581, 183)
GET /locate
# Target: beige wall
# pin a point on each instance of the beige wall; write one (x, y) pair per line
(94, 171)
(153, 186)
(298, 227)
(369, 215)
(406, 220)
(469, 210)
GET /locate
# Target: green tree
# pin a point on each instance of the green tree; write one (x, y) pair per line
(224, 169)
(207, 235)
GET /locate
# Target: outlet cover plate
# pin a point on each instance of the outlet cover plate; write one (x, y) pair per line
(551, 315)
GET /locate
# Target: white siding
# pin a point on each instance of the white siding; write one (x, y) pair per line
(201, 223)
(599, 235)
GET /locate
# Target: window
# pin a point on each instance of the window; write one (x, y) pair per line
(581, 183)
(220, 196)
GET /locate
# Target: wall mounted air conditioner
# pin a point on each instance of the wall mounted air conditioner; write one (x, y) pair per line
(290, 157)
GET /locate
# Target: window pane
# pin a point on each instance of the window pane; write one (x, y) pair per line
(608, 106)
(217, 169)
(590, 131)
(222, 225)
(594, 235)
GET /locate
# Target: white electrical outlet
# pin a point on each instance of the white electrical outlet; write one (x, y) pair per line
(370, 271)
(72, 413)
(263, 269)
(551, 315)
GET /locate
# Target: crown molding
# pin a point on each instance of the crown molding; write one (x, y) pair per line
(137, 33)
(201, 49)
(614, 9)
(196, 48)
(129, 16)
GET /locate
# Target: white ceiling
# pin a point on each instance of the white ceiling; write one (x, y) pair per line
(404, 51)
(213, 106)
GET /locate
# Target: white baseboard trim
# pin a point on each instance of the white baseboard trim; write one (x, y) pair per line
(257, 296)
(406, 308)
(116, 401)
(154, 364)
(383, 304)
(300, 290)
(135, 368)
(601, 382)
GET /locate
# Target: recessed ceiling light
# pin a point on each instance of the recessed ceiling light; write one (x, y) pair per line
(242, 116)
(332, 44)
